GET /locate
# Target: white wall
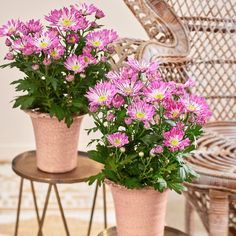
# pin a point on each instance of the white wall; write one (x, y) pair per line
(16, 134)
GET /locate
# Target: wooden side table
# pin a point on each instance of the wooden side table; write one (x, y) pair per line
(168, 232)
(24, 165)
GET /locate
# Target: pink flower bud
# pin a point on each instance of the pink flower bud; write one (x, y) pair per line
(110, 49)
(118, 101)
(28, 51)
(156, 150)
(110, 116)
(93, 24)
(72, 38)
(99, 14)
(47, 62)
(35, 67)
(8, 42)
(93, 108)
(9, 56)
(146, 125)
(69, 78)
(128, 121)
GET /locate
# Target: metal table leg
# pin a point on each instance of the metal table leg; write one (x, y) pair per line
(92, 211)
(19, 206)
(44, 209)
(61, 209)
(104, 205)
(35, 204)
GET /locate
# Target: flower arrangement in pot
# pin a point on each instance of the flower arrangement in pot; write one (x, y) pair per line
(60, 62)
(148, 126)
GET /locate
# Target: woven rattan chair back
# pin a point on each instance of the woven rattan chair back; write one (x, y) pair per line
(212, 32)
(168, 38)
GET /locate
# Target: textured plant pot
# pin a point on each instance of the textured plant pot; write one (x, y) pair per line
(56, 144)
(139, 212)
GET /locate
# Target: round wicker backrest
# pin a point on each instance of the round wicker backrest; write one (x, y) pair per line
(212, 27)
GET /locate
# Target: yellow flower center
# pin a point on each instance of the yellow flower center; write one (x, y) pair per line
(174, 142)
(96, 43)
(87, 59)
(117, 141)
(75, 67)
(11, 30)
(158, 96)
(140, 115)
(175, 114)
(191, 107)
(54, 53)
(128, 90)
(43, 45)
(102, 98)
(67, 22)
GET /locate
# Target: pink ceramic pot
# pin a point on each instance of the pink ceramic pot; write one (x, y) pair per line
(56, 144)
(139, 212)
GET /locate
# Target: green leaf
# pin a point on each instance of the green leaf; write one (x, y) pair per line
(132, 183)
(100, 177)
(161, 184)
(23, 102)
(57, 111)
(182, 174)
(170, 122)
(177, 187)
(111, 175)
(97, 156)
(150, 139)
(53, 82)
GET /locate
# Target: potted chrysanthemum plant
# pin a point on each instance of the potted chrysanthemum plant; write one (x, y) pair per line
(148, 127)
(60, 62)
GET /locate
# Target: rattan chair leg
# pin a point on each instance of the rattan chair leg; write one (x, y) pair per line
(218, 213)
(189, 218)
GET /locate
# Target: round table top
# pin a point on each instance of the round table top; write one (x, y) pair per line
(24, 165)
(168, 232)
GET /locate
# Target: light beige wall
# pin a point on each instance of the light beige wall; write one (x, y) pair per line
(16, 133)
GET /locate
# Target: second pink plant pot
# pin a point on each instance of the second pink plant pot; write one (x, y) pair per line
(139, 212)
(56, 144)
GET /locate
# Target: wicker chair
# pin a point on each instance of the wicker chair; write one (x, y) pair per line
(212, 27)
(212, 62)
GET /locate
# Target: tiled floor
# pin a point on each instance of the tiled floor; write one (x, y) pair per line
(77, 201)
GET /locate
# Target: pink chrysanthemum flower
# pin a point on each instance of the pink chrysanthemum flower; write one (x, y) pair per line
(156, 150)
(198, 106)
(118, 101)
(157, 91)
(123, 74)
(72, 38)
(32, 26)
(11, 28)
(174, 139)
(89, 59)
(45, 41)
(67, 19)
(101, 94)
(23, 45)
(85, 9)
(100, 39)
(56, 53)
(140, 110)
(174, 109)
(75, 63)
(142, 65)
(118, 139)
(128, 87)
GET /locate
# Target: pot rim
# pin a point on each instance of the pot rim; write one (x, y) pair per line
(122, 187)
(34, 113)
